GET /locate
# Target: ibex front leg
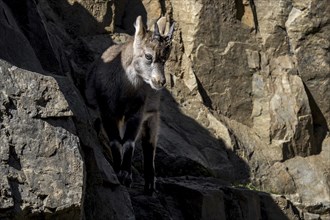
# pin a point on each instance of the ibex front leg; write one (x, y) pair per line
(149, 143)
(132, 129)
(115, 142)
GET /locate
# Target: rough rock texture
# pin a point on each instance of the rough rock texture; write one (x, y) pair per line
(52, 162)
(41, 164)
(246, 110)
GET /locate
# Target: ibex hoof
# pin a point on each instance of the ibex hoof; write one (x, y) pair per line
(125, 178)
(150, 190)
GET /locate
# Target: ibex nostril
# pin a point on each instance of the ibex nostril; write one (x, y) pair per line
(159, 81)
(162, 82)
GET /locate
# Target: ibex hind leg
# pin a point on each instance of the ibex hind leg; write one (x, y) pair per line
(149, 142)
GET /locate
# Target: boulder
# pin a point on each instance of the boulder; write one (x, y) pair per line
(42, 167)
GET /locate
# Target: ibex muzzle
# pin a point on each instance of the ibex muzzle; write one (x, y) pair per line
(124, 86)
(158, 80)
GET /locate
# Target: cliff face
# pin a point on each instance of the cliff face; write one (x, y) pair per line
(245, 116)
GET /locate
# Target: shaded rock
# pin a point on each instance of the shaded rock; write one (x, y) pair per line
(278, 207)
(127, 11)
(31, 24)
(97, 16)
(147, 207)
(213, 199)
(196, 201)
(13, 39)
(185, 143)
(208, 198)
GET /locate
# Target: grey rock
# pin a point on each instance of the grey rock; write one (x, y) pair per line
(41, 164)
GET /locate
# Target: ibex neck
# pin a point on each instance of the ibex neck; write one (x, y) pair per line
(128, 63)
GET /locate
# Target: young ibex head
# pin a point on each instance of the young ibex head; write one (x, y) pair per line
(150, 52)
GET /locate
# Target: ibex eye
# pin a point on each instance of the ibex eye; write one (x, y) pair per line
(148, 56)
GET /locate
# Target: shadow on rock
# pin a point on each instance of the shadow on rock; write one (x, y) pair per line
(195, 177)
(319, 123)
(195, 169)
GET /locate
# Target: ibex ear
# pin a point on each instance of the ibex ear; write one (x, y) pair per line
(139, 32)
(170, 33)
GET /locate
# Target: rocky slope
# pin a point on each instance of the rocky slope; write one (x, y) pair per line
(245, 116)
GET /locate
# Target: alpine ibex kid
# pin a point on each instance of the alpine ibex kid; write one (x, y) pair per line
(124, 85)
